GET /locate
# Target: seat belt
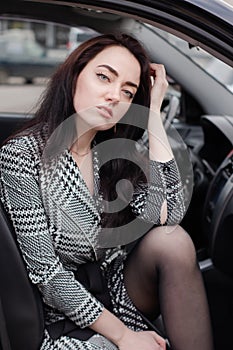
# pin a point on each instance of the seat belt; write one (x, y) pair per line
(4, 338)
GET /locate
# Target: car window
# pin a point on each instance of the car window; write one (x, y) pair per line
(31, 51)
(77, 35)
(29, 54)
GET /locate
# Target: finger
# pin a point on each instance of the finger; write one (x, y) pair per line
(162, 347)
(158, 74)
(157, 69)
(160, 340)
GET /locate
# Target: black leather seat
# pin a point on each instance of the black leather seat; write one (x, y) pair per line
(21, 315)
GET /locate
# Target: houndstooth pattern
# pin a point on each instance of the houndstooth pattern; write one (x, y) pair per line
(57, 222)
(123, 307)
(96, 342)
(164, 185)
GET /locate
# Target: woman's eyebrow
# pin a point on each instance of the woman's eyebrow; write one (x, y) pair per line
(112, 70)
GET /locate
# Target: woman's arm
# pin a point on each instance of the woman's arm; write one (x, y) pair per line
(159, 147)
(161, 200)
(21, 197)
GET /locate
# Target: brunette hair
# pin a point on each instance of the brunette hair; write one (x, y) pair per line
(57, 105)
(57, 101)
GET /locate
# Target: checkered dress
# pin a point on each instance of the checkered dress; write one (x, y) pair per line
(57, 222)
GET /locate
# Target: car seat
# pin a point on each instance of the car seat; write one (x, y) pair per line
(21, 313)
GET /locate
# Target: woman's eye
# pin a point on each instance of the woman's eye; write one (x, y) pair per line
(129, 94)
(103, 77)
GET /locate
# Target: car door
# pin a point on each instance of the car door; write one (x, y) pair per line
(194, 39)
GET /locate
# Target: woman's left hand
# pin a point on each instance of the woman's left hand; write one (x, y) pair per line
(159, 86)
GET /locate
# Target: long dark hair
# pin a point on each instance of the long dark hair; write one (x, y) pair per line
(57, 105)
(57, 100)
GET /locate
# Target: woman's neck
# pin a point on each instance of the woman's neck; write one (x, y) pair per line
(83, 143)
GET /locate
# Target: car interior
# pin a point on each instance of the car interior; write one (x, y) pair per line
(199, 107)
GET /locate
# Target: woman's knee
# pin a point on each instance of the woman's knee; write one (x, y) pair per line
(170, 245)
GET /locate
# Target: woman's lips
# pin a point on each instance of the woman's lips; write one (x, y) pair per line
(106, 112)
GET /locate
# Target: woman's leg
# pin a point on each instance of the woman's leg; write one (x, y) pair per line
(162, 275)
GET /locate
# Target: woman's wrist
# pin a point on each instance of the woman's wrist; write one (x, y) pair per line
(155, 123)
(154, 109)
(119, 335)
(110, 327)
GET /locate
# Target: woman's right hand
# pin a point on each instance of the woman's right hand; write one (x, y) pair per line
(142, 340)
(124, 338)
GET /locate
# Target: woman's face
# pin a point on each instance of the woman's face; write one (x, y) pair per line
(106, 87)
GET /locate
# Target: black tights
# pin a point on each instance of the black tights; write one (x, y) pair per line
(162, 275)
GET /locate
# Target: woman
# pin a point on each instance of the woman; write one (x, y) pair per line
(50, 172)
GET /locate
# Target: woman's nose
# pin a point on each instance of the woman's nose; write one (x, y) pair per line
(113, 94)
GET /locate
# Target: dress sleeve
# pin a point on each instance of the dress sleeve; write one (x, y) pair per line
(164, 185)
(20, 194)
